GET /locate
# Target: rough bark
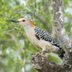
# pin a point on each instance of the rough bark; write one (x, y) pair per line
(58, 27)
(43, 65)
(40, 62)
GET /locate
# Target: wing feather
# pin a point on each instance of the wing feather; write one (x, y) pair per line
(42, 34)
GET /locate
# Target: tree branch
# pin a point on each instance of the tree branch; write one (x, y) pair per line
(42, 64)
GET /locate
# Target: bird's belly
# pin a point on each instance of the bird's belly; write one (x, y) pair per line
(42, 44)
(39, 43)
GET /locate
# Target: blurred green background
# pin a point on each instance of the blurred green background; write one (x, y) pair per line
(15, 49)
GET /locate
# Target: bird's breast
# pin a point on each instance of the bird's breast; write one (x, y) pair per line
(31, 36)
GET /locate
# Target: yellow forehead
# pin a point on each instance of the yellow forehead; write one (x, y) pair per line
(20, 19)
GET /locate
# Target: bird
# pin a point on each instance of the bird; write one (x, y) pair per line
(39, 37)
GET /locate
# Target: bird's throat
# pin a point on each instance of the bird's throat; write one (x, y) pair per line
(28, 27)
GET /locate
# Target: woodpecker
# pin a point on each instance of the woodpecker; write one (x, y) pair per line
(39, 37)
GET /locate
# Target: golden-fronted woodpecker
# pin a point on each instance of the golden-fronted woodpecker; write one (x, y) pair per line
(39, 37)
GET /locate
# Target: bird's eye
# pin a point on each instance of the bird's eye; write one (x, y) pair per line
(23, 20)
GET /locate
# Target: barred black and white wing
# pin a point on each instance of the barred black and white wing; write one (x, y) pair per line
(42, 34)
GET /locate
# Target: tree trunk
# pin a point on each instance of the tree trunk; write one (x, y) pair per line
(58, 27)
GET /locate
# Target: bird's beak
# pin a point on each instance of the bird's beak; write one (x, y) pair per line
(13, 20)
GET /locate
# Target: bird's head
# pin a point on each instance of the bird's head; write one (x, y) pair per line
(23, 21)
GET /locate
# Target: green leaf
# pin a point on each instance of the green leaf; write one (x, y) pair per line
(55, 58)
